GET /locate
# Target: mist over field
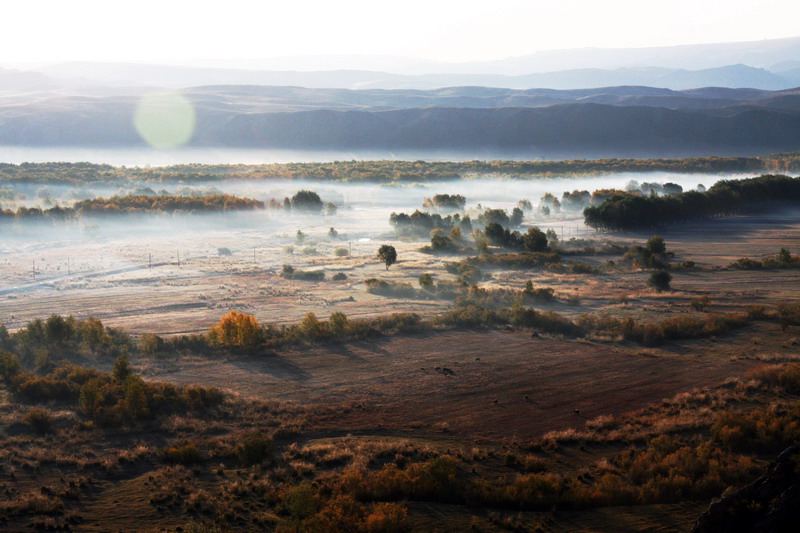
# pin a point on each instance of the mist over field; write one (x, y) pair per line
(364, 267)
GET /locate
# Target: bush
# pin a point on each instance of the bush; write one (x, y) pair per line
(39, 420)
(341, 252)
(701, 304)
(47, 389)
(185, 454)
(386, 517)
(396, 289)
(254, 448)
(660, 280)
(339, 276)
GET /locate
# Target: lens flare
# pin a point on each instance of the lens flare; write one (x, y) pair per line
(164, 119)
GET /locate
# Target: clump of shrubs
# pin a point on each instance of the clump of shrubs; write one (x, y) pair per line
(254, 448)
(186, 454)
(660, 280)
(395, 289)
(289, 272)
(39, 420)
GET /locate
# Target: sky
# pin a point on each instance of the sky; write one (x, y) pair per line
(48, 31)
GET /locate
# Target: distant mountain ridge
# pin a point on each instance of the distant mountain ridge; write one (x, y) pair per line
(599, 122)
(726, 99)
(734, 75)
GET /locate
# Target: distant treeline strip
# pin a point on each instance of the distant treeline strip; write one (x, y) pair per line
(727, 197)
(139, 204)
(386, 171)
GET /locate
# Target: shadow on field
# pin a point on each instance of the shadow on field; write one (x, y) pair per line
(276, 366)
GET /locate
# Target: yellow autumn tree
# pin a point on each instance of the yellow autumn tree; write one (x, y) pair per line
(236, 330)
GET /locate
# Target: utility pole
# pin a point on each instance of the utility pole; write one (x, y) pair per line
(150, 261)
(254, 254)
(34, 269)
(68, 270)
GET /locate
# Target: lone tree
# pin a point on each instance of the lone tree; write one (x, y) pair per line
(660, 280)
(388, 255)
(656, 245)
(306, 201)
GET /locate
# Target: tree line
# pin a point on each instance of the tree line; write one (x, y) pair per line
(726, 197)
(137, 203)
(384, 171)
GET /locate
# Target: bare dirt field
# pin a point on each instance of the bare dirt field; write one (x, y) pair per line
(480, 387)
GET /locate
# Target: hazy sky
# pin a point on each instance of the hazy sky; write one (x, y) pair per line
(37, 31)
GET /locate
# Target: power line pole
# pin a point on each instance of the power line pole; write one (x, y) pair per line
(150, 261)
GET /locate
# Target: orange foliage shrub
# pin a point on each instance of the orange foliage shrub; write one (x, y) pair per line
(236, 330)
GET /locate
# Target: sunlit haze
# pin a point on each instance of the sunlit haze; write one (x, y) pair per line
(95, 30)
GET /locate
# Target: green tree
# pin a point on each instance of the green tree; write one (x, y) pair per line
(388, 255)
(93, 334)
(9, 366)
(57, 331)
(516, 216)
(150, 344)
(311, 326)
(656, 245)
(338, 323)
(91, 396)
(535, 240)
(307, 201)
(5, 338)
(135, 397)
(121, 369)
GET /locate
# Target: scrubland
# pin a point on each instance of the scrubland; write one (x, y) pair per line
(162, 372)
